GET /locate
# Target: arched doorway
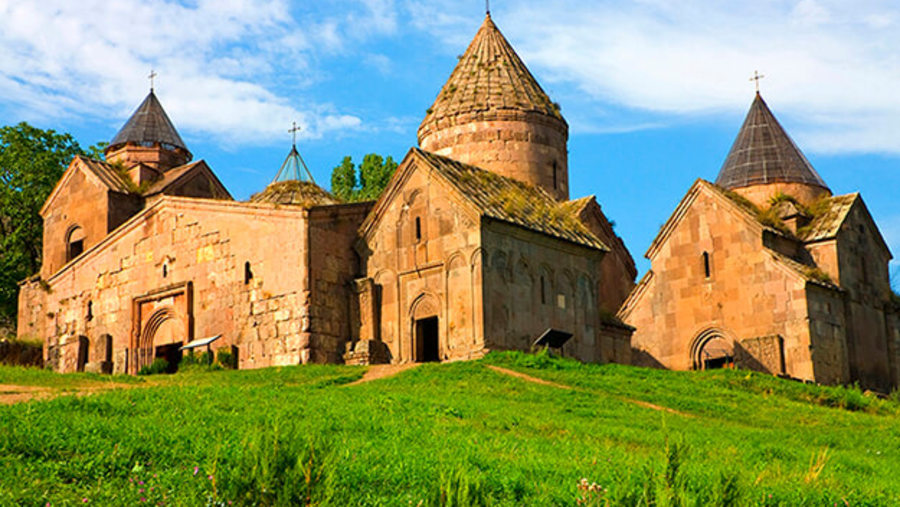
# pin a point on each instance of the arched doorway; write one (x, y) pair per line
(162, 338)
(426, 344)
(713, 350)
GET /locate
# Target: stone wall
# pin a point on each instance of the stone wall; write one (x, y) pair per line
(423, 257)
(527, 147)
(333, 267)
(677, 304)
(863, 274)
(81, 201)
(533, 282)
(245, 264)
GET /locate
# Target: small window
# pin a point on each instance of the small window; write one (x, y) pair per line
(555, 176)
(74, 242)
(706, 267)
(543, 291)
(90, 311)
(165, 270)
(248, 273)
(418, 229)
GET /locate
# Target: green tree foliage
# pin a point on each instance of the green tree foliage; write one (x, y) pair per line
(365, 183)
(31, 162)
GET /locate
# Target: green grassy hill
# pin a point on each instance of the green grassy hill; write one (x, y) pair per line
(451, 434)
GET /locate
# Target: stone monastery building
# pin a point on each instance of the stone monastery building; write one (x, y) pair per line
(474, 246)
(766, 270)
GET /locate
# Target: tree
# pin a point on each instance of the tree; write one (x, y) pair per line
(367, 183)
(31, 162)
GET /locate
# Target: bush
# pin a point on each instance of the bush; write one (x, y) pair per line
(159, 365)
(225, 358)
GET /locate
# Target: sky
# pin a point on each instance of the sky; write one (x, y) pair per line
(654, 91)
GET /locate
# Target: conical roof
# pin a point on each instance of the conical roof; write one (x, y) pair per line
(293, 168)
(763, 153)
(149, 124)
(490, 76)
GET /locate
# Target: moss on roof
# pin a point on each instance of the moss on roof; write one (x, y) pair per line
(514, 201)
(294, 193)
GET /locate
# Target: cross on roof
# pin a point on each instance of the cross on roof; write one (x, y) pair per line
(487, 6)
(294, 131)
(152, 75)
(756, 77)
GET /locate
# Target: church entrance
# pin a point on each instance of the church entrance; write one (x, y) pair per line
(172, 354)
(716, 353)
(427, 349)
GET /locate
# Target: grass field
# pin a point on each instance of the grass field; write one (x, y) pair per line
(449, 434)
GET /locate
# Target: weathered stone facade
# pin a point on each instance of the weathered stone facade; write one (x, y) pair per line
(147, 251)
(776, 275)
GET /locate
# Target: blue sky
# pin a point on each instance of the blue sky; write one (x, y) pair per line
(654, 91)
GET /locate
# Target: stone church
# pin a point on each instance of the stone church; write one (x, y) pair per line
(474, 246)
(765, 269)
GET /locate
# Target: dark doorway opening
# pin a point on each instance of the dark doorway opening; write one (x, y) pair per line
(172, 354)
(718, 363)
(427, 350)
(84, 346)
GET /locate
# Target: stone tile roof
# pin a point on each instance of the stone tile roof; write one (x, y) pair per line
(107, 174)
(170, 177)
(515, 202)
(490, 76)
(149, 124)
(764, 153)
(828, 220)
(294, 193)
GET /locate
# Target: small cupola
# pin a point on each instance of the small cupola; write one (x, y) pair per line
(294, 184)
(148, 145)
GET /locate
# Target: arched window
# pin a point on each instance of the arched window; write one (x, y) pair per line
(74, 242)
(543, 290)
(418, 229)
(707, 270)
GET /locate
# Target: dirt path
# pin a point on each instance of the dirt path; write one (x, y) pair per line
(10, 393)
(529, 378)
(378, 371)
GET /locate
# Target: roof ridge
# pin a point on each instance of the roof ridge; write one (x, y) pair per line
(490, 193)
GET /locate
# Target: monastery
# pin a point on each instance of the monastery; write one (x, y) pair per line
(475, 245)
(765, 269)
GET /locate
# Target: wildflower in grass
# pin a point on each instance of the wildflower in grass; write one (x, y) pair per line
(84, 500)
(210, 477)
(196, 469)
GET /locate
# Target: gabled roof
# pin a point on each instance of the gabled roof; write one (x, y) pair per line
(828, 221)
(743, 209)
(97, 170)
(149, 124)
(182, 174)
(490, 76)
(501, 198)
(764, 153)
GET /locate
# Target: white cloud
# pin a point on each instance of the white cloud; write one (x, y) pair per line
(831, 66)
(218, 63)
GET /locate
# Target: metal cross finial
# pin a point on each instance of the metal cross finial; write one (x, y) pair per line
(152, 75)
(294, 131)
(487, 7)
(756, 77)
